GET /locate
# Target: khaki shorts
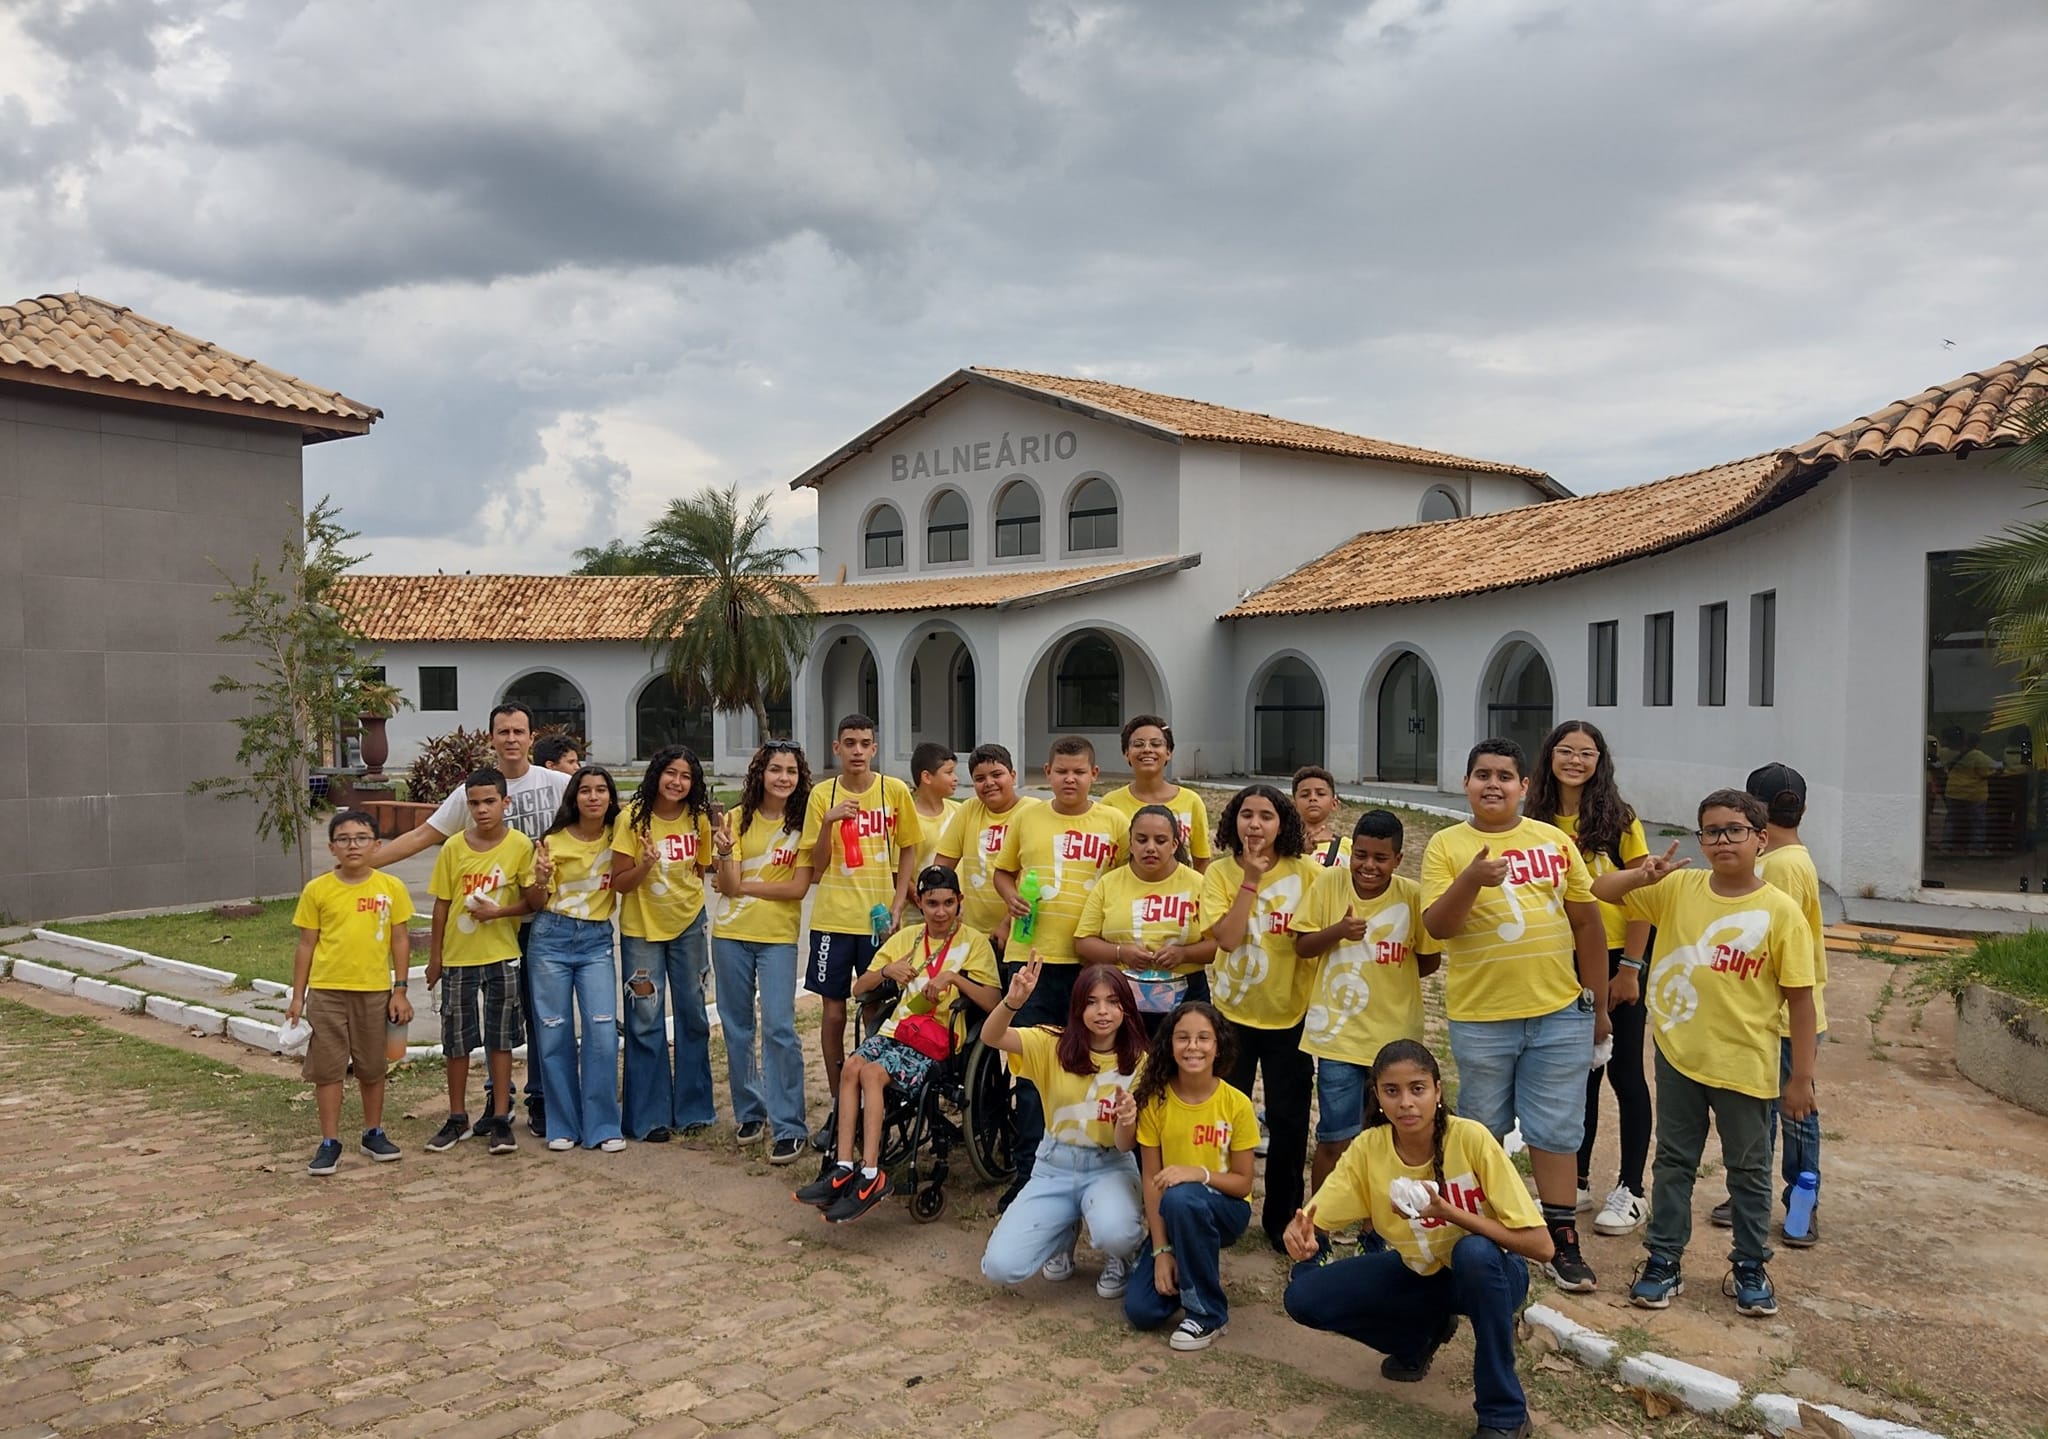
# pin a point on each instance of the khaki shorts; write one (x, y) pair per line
(348, 1025)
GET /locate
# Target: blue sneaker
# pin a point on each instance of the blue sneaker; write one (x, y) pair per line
(326, 1159)
(1750, 1287)
(1658, 1282)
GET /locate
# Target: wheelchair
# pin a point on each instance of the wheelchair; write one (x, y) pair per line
(965, 1101)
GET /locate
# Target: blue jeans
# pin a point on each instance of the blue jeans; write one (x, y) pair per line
(1198, 1223)
(1379, 1301)
(1070, 1183)
(1532, 1070)
(658, 1096)
(745, 970)
(1802, 1136)
(571, 960)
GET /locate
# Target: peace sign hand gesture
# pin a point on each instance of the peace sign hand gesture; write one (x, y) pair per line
(1300, 1235)
(1657, 866)
(1023, 982)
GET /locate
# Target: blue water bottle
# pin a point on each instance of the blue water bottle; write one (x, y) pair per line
(879, 923)
(1799, 1208)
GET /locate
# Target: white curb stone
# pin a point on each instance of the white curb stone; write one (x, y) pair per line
(1692, 1386)
(1781, 1414)
(114, 996)
(271, 987)
(97, 946)
(253, 1032)
(44, 976)
(1588, 1346)
(184, 1015)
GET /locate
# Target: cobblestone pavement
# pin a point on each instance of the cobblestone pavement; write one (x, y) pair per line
(165, 1273)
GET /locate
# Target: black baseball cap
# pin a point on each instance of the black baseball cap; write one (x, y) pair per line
(937, 876)
(1773, 780)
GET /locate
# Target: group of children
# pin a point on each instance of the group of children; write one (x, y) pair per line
(1160, 981)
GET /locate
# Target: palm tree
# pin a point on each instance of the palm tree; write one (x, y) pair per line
(735, 625)
(2010, 578)
(614, 557)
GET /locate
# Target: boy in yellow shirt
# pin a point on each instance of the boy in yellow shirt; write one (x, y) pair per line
(1070, 844)
(934, 776)
(1525, 981)
(974, 837)
(479, 883)
(1731, 951)
(1148, 749)
(348, 977)
(1315, 796)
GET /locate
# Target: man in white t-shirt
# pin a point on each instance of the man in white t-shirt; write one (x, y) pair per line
(532, 795)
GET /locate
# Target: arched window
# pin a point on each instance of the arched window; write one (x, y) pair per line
(553, 700)
(884, 539)
(1439, 503)
(1088, 687)
(1091, 517)
(1017, 521)
(661, 718)
(1288, 719)
(1519, 696)
(945, 530)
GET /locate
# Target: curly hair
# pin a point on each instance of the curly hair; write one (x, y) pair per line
(697, 802)
(1288, 844)
(1408, 1051)
(1160, 1069)
(1603, 814)
(754, 788)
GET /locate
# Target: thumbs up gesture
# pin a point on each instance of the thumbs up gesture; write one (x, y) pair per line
(1488, 870)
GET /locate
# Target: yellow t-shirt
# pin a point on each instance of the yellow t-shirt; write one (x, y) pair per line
(1071, 853)
(354, 924)
(888, 827)
(1261, 983)
(1187, 807)
(967, 952)
(1125, 909)
(1514, 957)
(1478, 1178)
(1717, 981)
(1790, 868)
(1599, 862)
(935, 827)
(1079, 1109)
(974, 836)
(1206, 1134)
(768, 854)
(1366, 993)
(1969, 777)
(670, 896)
(498, 874)
(581, 886)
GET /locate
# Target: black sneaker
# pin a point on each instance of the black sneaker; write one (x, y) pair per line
(1520, 1431)
(752, 1132)
(503, 1140)
(1568, 1268)
(1723, 1214)
(858, 1198)
(536, 1121)
(824, 1137)
(326, 1159)
(377, 1144)
(450, 1134)
(1807, 1240)
(1403, 1371)
(824, 1191)
(660, 1134)
(787, 1151)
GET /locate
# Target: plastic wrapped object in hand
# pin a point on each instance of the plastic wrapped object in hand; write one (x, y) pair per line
(1411, 1196)
(294, 1036)
(1603, 1050)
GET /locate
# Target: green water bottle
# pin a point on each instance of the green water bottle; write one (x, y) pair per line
(1024, 928)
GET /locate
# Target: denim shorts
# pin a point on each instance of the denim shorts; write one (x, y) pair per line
(1532, 1071)
(1340, 1100)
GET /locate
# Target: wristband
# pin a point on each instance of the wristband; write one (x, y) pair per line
(1206, 1177)
(1004, 1002)
(1249, 888)
(1635, 964)
(1162, 1249)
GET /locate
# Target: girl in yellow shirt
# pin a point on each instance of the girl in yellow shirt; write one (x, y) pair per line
(1145, 918)
(571, 955)
(1147, 743)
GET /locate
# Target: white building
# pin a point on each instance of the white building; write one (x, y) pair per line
(1016, 556)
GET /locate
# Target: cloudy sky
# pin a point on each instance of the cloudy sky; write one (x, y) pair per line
(590, 257)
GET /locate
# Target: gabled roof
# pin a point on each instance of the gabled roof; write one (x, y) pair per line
(484, 609)
(1166, 417)
(1549, 541)
(87, 345)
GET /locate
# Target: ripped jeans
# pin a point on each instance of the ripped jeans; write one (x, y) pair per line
(571, 961)
(662, 976)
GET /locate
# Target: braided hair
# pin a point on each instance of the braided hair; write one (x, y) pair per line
(1408, 1051)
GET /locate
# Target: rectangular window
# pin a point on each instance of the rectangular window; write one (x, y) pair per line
(885, 549)
(1657, 659)
(1091, 530)
(437, 687)
(1016, 537)
(1763, 648)
(945, 544)
(1714, 654)
(1603, 646)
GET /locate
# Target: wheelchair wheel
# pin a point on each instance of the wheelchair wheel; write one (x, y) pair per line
(990, 1120)
(928, 1203)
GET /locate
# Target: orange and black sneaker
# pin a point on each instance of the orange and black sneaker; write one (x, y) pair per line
(824, 1191)
(858, 1199)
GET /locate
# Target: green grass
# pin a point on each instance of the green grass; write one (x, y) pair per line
(256, 948)
(2014, 963)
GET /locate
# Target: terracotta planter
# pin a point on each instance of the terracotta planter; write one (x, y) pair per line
(376, 748)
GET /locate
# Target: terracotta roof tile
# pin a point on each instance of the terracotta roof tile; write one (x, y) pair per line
(55, 338)
(1974, 412)
(401, 609)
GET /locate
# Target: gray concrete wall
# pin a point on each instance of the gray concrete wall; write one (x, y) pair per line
(109, 632)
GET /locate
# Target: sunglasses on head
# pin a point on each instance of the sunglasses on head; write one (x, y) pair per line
(782, 746)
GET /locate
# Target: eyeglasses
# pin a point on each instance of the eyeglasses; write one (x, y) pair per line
(1724, 833)
(352, 840)
(1590, 756)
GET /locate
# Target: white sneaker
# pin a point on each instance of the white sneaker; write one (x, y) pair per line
(1059, 1268)
(1585, 1199)
(1116, 1273)
(1191, 1335)
(612, 1145)
(560, 1143)
(1623, 1213)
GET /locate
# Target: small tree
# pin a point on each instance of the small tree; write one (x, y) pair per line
(2010, 577)
(310, 677)
(735, 625)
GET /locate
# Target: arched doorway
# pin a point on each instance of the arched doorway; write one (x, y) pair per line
(1287, 719)
(553, 699)
(1519, 696)
(1086, 682)
(942, 692)
(661, 718)
(1408, 722)
(848, 683)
